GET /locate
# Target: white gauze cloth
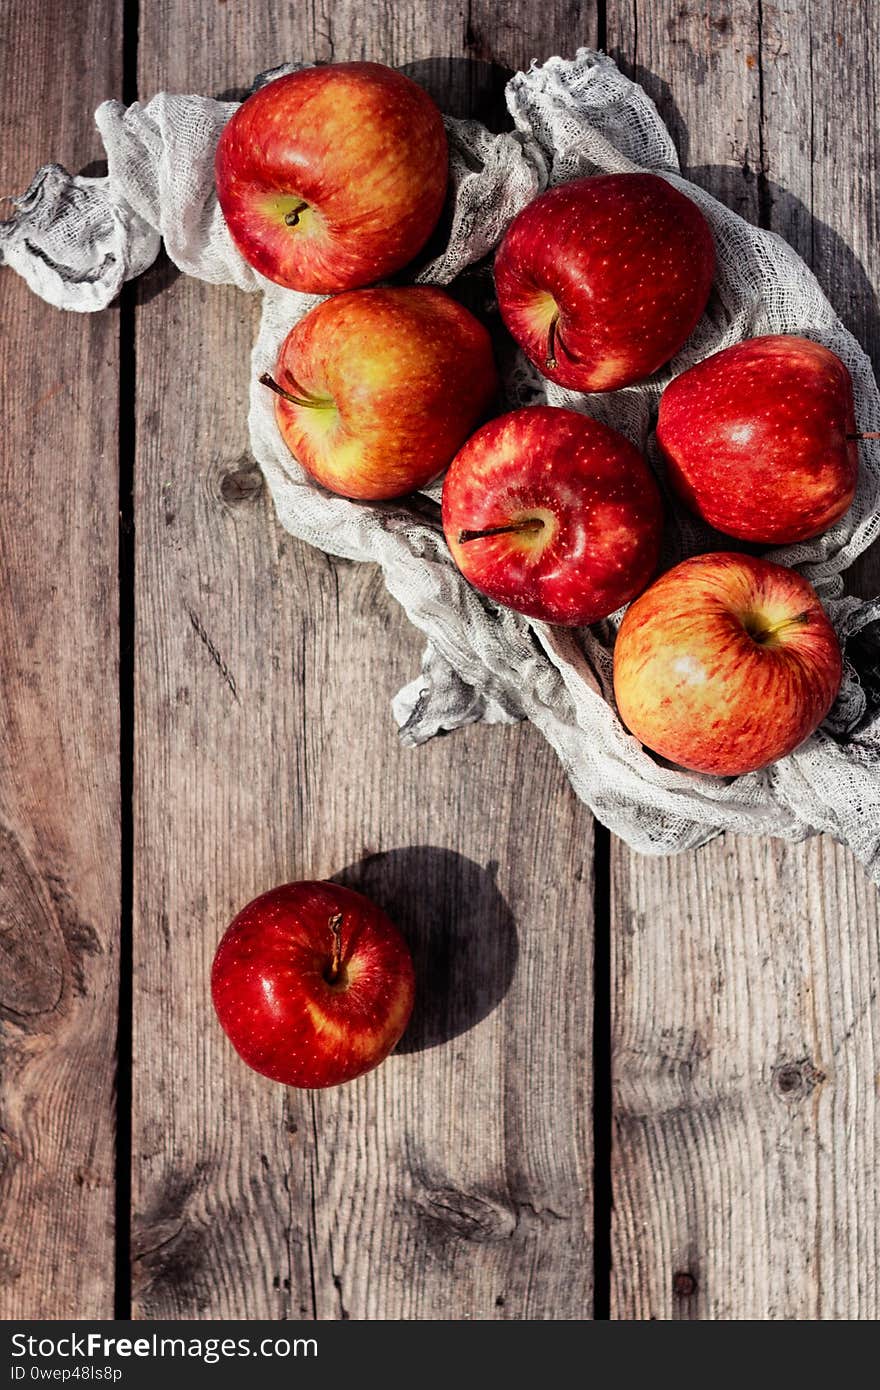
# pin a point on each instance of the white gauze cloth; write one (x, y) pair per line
(76, 239)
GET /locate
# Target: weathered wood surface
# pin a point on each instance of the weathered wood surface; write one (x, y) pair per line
(745, 1016)
(455, 1181)
(59, 750)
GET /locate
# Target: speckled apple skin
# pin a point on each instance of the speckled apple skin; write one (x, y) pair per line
(693, 684)
(274, 1004)
(755, 439)
(363, 145)
(629, 262)
(409, 372)
(599, 501)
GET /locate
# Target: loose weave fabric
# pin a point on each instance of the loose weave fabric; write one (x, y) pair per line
(76, 240)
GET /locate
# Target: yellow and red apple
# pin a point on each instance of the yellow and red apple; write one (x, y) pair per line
(725, 664)
(333, 177)
(760, 439)
(312, 984)
(553, 514)
(601, 280)
(377, 389)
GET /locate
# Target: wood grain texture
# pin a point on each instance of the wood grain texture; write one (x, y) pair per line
(699, 63)
(745, 1076)
(456, 1180)
(821, 95)
(746, 1032)
(59, 749)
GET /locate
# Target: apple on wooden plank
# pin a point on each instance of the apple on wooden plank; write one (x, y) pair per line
(333, 177)
(601, 280)
(725, 664)
(760, 439)
(377, 389)
(554, 514)
(312, 984)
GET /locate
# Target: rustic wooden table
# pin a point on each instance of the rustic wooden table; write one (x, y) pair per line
(698, 1038)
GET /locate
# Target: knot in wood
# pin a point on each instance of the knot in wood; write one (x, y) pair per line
(469, 1217)
(795, 1080)
(242, 484)
(684, 1285)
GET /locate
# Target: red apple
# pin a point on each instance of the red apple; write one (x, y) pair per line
(312, 984)
(334, 176)
(725, 664)
(553, 514)
(376, 389)
(759, 439)
(600, 281)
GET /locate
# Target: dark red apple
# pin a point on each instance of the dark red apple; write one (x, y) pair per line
(553, 514)
(759, 439)
(601, 280)
(725, 664)
(377, 389)
(334, 176)
(312, 984)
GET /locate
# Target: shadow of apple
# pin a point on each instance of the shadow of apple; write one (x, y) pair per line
(459, 928)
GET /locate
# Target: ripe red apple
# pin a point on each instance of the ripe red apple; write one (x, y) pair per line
(725, 664)
(334, 176)
(553, 514)
(312, 984)
(376, 389)
(759, 439)
(601, 280)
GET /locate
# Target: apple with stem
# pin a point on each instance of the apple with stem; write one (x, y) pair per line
(553, 514)
(601, 280)
(333, 177)
(377, 389)
(760, 439)
(725, 664)
(312, 984)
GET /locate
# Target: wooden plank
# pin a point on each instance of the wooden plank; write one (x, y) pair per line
(59, 742)
(699, 64)
(744, 1007)
(821, 96)
(455, 1181)
(745, 1061)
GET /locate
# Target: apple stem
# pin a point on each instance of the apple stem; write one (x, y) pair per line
(267, 380)
(869, 434)
(291, 219)
(762, 634)
(533, 523)
(335, 925)
(551, 343)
